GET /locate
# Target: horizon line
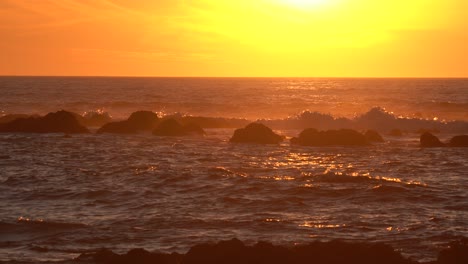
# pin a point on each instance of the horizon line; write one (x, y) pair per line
(241, 77)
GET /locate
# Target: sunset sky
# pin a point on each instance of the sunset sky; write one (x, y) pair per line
(314, 38)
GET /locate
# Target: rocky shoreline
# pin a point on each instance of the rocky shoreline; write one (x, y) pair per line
(235, 251)
(255, 132)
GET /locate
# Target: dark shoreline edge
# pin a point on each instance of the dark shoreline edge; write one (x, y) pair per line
(235, 251)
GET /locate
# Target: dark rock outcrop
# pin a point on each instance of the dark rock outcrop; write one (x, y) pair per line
(342, 137)
(427, 140)
(456, 253)
(120, 127)
(256, 133)
(373, 136)
(8, 118)
(459, 141)
(235, 251)
(95, 119)
(58, 122)
(172, 128)
(137, 122)
(376, 118)
(143, 120)
(338, 252)
(137, 255)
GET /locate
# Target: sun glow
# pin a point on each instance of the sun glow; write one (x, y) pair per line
(298, 26)
(234, 38)
(305, 3)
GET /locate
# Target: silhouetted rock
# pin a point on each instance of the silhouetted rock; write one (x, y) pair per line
(427, 140)
(342, 137)
(58, 122)
(459, 141)
(8, 118)
(235, 251)
(93, 119)
(137, 122)
(376, 118)
(256, 133)
(143, 120)
(96, 119)
(120, 127)
(228, 252)
(105, 256)
(335, 252)
(308, 119)
(172, 128)
(457, 253)
(265, 252)
(373, 136)
(169, 127)
(138, 255)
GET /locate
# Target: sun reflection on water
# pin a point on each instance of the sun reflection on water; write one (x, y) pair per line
(310, 224)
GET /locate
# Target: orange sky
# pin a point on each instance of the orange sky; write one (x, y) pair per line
(313, 38)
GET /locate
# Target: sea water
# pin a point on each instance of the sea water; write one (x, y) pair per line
(60, 197)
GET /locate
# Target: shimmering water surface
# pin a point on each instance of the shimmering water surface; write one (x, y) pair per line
(236, 97)
(63, 196)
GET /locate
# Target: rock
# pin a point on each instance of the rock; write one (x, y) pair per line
(8, 118)
(96, 118)
(235, 251)
(120, 127)
(137, 255)
(427, 140)
(143, 120)
(169, 127)
(137, 122)
(228, 252)
(338, 252)
(58, 122)
(342, 137)
(334, 252)
(172, 128)
(105, 255)
(256, 133)
(373, 136)
(92, 119)
(459, 141)
(457, 253)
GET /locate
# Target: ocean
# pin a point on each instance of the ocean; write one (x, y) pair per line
(62, 196)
